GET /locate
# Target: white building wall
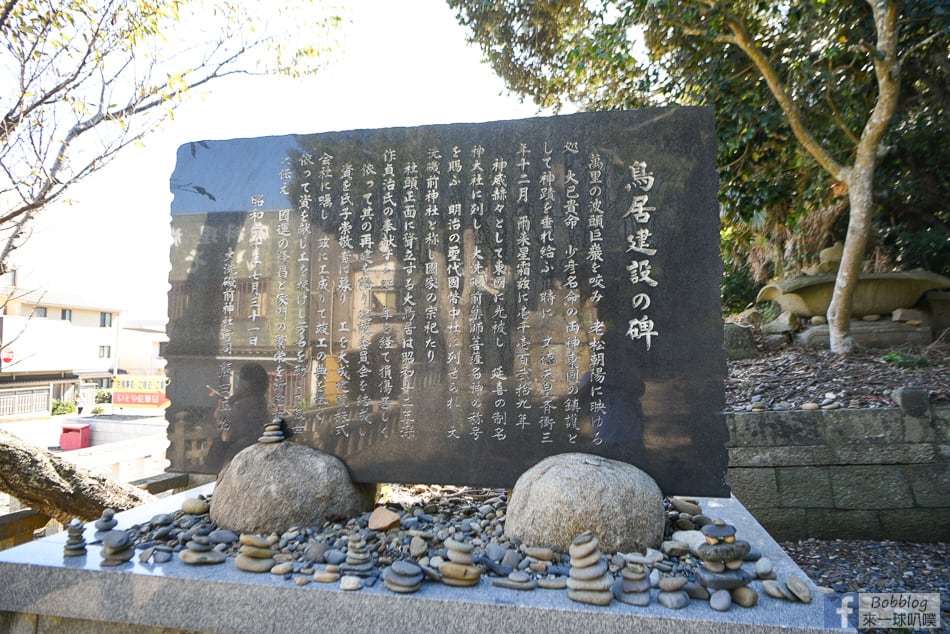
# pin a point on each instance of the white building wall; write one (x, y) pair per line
(53, 345)
(139, 351)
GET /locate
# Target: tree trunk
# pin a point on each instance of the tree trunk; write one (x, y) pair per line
(53, 486)
(860, 178)
(860, 199)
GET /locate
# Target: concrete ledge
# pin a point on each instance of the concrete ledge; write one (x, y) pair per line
(41, 587)
(116, 428)
(871, 334)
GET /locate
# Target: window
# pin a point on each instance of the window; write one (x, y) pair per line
(66, 314)
(39, 311)
(105, 320)
(105, 352)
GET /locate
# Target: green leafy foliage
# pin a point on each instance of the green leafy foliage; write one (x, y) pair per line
(905, 361)
(739, 289)
(63, 407)
(925, 248)
(780, 206)
(103, 396)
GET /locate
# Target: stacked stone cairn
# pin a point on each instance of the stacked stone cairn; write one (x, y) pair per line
(672, 594)
(255, 554)
(333, 558)
(117, 548)
(589, 579)
(685, 515)
(164, 533)
(199, 550)
(460, 569)
(403, 576)
(516, 580)
(329, 574)
(75, 543)
(633, 585)
(721, 573)
(273, 432)
(469, 544)
(106, 522)
(359, 563)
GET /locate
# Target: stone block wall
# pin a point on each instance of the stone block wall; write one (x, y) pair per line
(845, 474)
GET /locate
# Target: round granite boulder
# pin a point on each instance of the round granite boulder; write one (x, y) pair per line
(270, 487)
(567, 494)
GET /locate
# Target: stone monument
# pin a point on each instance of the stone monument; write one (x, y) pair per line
(454, 303)
(460, 304)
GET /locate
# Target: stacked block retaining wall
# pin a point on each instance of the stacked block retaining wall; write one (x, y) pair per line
(844, 474)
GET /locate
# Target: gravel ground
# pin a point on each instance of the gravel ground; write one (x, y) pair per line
(788, 377)
(870, 566)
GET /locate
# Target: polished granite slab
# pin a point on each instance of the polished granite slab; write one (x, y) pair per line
(36, 579)
(454, 303)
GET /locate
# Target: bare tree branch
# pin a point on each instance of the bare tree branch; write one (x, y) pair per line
(740, 37)
(103, 67)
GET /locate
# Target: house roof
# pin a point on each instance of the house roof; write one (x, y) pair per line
(43, 297)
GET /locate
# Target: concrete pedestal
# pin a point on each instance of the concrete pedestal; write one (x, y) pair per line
(43, 592)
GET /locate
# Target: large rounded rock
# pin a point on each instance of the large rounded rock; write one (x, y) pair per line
(564, 495)
(271, 487)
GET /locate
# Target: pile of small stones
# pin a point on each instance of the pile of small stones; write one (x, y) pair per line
(117, 548)
(75, 542)
(106, 522)
(633, 586)
(721, 572)
(830, 400)
(403, 576)
(273, 432)
(199, 550)
(457, 540)
(255, 553)
(460, 569)
(589, 580)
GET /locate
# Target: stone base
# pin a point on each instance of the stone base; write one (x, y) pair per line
(738, 342)
(938, 304)
(45, 592)
(870, 334)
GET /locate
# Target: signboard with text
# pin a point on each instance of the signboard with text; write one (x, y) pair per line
(450, 304)
(139, 391)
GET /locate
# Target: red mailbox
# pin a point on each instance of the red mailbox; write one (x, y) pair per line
(74, 436)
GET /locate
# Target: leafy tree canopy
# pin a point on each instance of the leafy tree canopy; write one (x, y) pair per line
(780, 204)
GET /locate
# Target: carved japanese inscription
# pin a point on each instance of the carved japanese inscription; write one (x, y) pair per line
(450, 304)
